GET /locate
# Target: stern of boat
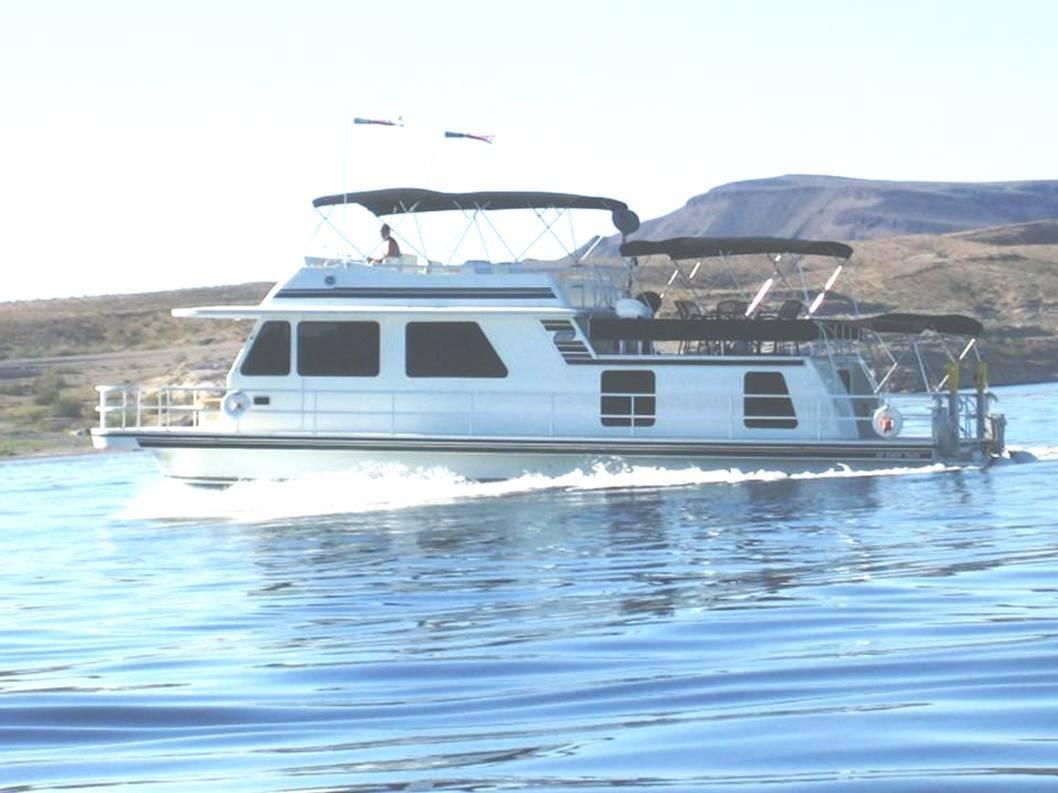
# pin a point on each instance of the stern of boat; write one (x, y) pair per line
(965, 429)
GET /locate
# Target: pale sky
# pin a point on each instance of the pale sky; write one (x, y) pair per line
(154, 145)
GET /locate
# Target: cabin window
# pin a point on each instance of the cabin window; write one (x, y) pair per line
(627, 399)
(450, 349)
(767, 403)
(270, 353)
(338, 349)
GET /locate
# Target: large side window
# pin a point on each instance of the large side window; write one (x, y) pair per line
(338, 349)
(270, 353)
(450, 349)
(627, 399)
(767, 402)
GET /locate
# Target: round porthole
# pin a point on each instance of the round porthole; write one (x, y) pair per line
(329, 280)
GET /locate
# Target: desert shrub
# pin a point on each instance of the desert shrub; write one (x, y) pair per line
(15, 389)
(27, 415)
(48, 387)
(68, 407)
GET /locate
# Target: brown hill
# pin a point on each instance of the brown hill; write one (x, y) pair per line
(1043, 232)
(830, 207)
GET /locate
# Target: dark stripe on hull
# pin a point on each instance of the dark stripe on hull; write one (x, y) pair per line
(791, 451)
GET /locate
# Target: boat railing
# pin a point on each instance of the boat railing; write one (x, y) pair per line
(162, 406)
(590, 288)
(470, 414)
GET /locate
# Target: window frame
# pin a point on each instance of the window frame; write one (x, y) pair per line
(628, 403)
(261, 336)
(374, 325)
(424, 357)
(767, 405)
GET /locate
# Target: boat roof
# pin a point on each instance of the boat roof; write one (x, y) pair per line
(711, 247)
(308, 310)
(403, 200)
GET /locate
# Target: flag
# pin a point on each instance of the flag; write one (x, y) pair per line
(381, 122)
(470, 136)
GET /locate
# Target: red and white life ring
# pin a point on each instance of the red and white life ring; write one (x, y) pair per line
(887, 421)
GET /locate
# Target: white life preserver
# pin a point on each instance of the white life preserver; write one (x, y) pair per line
(235, 403)
(887, 421)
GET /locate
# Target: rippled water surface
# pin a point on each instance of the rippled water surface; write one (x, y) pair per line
(389, 630)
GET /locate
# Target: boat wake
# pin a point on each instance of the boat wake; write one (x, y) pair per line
(1027, 454)
(391, 487)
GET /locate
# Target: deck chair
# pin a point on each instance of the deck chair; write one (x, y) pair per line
(688, 309)
(791, 309)
(732, 309)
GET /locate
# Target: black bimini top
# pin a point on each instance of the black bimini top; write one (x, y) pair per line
(770, 329)
(946, 324)
(711, 247)
(402, 200)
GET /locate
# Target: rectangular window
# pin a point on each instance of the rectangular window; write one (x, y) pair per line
(767, 403)
(270, 353)
(627, 399)
(450, 349)
(338, 349)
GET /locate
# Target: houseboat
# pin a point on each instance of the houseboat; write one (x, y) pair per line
(495, 367)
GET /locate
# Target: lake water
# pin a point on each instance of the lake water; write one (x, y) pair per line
(390, 631)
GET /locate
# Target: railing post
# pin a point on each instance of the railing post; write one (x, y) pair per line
(981, 381)
(954, 408)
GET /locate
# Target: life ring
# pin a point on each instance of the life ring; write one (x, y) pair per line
(887, 421)
(235, 404)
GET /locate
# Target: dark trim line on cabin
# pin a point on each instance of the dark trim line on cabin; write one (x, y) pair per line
(757, 363)
(433, 293)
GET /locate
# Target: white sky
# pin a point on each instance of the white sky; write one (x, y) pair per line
(152, 145)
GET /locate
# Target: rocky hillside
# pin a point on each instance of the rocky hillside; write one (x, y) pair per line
(830, 207)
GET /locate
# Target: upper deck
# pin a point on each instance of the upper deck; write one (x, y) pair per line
(413, 283)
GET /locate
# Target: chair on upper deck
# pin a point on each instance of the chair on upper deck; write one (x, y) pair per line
(790, 309)
(688, 309)
(733, 309)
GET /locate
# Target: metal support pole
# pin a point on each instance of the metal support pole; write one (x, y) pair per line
(953, 403)
(981, 381)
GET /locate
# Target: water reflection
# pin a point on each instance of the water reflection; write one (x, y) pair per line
(793, 633)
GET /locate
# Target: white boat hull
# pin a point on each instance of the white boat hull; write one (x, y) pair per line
(218, 459)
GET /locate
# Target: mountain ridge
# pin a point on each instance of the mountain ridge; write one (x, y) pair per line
(816, 206)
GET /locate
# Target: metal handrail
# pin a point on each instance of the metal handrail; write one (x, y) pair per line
(182, 406)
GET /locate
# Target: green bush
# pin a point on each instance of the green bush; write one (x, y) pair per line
(48, 388)
(68, 407)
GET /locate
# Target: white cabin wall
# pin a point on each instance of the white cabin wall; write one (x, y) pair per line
(542, 396)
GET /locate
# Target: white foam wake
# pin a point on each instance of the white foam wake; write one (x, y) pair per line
(392, 487)
(1039, 452)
